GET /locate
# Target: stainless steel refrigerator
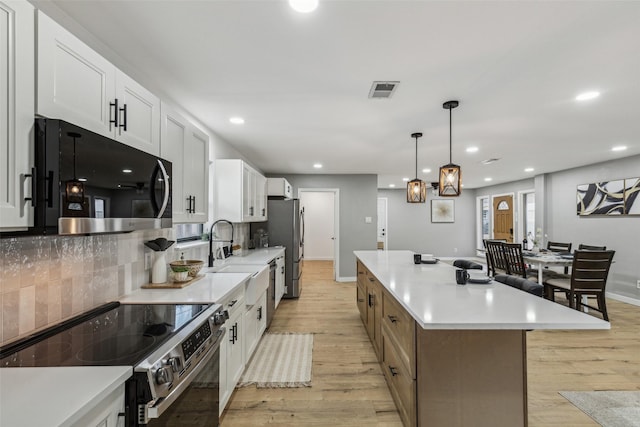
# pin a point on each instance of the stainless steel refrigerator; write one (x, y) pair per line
(285, 226)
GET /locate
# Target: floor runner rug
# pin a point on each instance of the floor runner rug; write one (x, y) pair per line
(281, 360)
(608, 408)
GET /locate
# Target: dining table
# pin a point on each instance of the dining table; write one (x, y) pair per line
(547, 259)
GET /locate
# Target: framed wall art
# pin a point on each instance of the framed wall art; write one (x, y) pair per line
(631, 192)
(442, 210)
(601, 198)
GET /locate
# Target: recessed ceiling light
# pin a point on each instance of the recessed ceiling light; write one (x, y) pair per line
(405, 179)
(529, 169)
(391, 185)
(317, 165)
(82, 179)
(303, 6)
(126, 171)
(427, 170)
(237, 120)
(472, 149)
(585, 96)
(488, 179)
(619, 148)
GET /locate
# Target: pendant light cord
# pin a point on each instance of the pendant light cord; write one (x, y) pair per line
(416, 157)
(74, 158)
(450, 149)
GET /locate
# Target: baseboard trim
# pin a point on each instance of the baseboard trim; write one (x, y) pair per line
(346, 279)
(623, 298)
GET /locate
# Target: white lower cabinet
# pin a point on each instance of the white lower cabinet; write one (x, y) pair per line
(255, 323)
(17, 29)
(231, 349)
(106, 413)
(280, 291)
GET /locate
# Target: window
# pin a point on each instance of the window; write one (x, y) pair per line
(529, 217)
(187, 232)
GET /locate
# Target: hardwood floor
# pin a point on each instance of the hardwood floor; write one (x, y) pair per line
(348, 388)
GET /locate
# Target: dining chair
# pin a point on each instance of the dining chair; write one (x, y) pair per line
(495, 256)
(558, 247)
(588, 278)
(513, 258)
(584, 247)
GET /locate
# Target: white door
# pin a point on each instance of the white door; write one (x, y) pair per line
(319, 234)
(382, 223)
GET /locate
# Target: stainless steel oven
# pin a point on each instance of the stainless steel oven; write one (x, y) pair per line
(173, 350)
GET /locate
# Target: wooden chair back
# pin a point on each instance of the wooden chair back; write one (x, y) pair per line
(513, 258)
(584, 247)
(590, 271)
(559, 247)
(495, 256)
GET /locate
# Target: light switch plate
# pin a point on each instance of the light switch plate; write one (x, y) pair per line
(367, 219)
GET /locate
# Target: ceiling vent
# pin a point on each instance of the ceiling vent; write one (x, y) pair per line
(383, 89)
(489, 161)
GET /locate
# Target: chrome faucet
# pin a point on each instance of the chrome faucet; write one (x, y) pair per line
(211, 240)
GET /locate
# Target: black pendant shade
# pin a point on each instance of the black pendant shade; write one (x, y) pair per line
(416, 188)
(450, 180)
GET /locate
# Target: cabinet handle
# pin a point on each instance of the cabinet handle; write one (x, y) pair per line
(394, 371)
(259, 313)
(123, 123)
(360, 300)
(282, 269)
(114, 120)
(49, 198)
(232, 303)
(393, 319)
(251, 211)
(371, 300)
(32, 175)
(235, 332)
(360, 272)
(371, 279)
(263, 211)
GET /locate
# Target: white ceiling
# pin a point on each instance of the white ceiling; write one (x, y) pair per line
(301, 80)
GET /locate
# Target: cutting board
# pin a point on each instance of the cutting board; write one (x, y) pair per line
(172, 285)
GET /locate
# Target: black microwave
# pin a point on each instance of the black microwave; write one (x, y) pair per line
(86, 183)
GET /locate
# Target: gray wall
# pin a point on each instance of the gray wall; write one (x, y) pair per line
(618, 233)
(357, 201)
(409, 225)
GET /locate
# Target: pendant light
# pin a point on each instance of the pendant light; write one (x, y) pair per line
(74, 189)
(450, 182)
(416, 188)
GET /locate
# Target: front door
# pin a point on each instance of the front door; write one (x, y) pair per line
(503, 218)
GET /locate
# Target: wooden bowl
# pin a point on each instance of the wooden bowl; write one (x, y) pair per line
(194, 266)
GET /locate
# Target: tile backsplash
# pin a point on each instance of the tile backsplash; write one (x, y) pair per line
(46, 279)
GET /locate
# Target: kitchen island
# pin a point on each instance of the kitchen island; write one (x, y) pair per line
(453, 355)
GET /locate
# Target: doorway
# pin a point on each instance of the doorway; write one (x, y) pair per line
(382, 224)
(503, 217)
(321, 240)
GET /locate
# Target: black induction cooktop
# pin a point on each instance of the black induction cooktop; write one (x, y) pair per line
(113, 334)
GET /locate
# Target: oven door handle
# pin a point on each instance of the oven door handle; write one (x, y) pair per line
(162, 405)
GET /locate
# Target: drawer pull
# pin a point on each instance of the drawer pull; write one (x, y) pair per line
(371, 279)
(371, 300)
(393, 319)
(360, 300)
(394, 371)
(360, 272)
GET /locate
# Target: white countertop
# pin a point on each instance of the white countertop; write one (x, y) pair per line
(212, 288)
(256, 256)
(33, 397)
(430, 294)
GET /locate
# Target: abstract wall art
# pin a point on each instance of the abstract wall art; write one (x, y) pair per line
(442, 210)
(631, 192)
(612, 198)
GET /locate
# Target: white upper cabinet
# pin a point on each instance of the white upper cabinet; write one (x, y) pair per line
(78, 85)
(16, 113)
(279, 187)
(240, 192)
(187, 148)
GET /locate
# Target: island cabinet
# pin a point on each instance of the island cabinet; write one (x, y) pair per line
(444, 377)
(369, 299)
